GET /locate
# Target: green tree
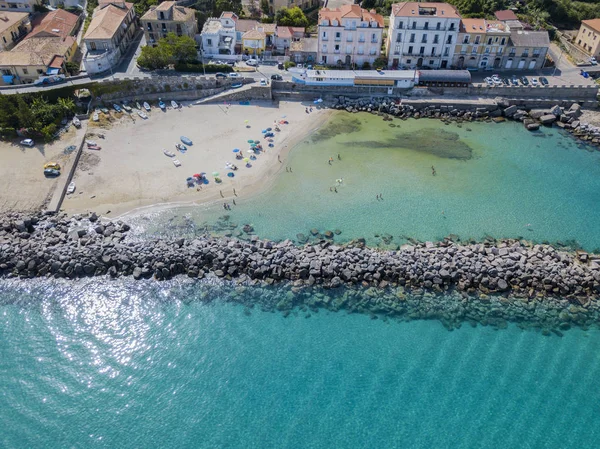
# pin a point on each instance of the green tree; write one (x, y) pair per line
(291, 17)
(66, 104)
(24, 114)
(153, 58)
(179, 48)
(227, 5)
(264, 6)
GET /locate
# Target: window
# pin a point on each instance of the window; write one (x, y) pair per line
(487, 50)
(349, 38)
(490, 41)
(422, 50)
(164, 26)
(149, 26)
(536, 52)
(408, 61)
(324, 35)
(424, 39)
(399, 38)
(178, 29)
(162, 15)
(447, 51)
(93, 46)
(452, 27)
(25, 72)
(208, 41)
(414, 25)
(503, 41)
(431, 62)
(426, 26)
(152, 38)
(338, 36)
(361, 37)
(477, 39)
(400, 25)
(374, 38)
(449, 41)
(39, 71)
(466, 39)
(337, 48)
(410, 50)
(433, 51)
(525, 53)
(324, 48)
(436, 39)
(412, 38)
(438, 26)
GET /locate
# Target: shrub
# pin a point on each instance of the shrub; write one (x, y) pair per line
(288, 64)
(199, 68)
(366, 66)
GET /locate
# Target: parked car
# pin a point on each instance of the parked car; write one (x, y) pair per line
(280, 66)
(51, 173)
(234, 75)
(277, 77)
(524, 81)
(506, 81)
(53, 165)
(220, 75)
(496, 80)
(488, 81)
(28, 142)
(593, 61)
(514, 80)
(544, 81)
(252, 62)
(263, 82)
(534, 82)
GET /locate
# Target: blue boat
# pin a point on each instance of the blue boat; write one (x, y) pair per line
(236, 85)
(162, 105)
(117, 107)
(186, 140)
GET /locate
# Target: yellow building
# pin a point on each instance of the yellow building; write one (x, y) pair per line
(588, 37)
(168, 18)
(481, 44)
(13, 27)
(253, 43)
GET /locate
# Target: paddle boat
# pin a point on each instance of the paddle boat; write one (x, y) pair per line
(186, 140)
(76, 122)
(162, 105)
(181, 147)
(174, 104)
(176, 163)
(146, 106)
(142, 114)
(117, 107)
(168, 153)
(71, 188)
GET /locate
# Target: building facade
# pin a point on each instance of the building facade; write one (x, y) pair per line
(167, 17)
(108, 35)
(219, 36)
(254, 43)
(588, 37)
(349, 36)
(14, 26)
(526, 50)
(422, 35)
(481, 45)
(19, 5)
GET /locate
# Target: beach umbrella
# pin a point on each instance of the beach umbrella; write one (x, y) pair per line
(215, 173)
(197, 175)
(252, 145)
(246, 159)
(230, 174)
(245, 121)
(189, 179)
(264, 131)
(236, 150)
(250, 141)
(250, 151)
(269, 129)
(257, 141)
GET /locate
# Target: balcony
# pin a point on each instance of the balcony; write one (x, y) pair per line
(362, 39)
(349, 39)
(374, 41)
(337, 52)
(337, 39)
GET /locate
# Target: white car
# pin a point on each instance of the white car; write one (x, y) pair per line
(534, 82)
(593, 61)
(496, 80)
(263, 82)
(252, 62)
(489, 81)
(28, 142)
(234, 75)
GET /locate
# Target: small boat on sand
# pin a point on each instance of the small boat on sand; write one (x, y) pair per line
(95, 117)
(137, 105)
(94, 147)
(142, 114)
(146, 106)
(186, 140)
(127, 108)
(176, 163)
(71, 188)
(117, 107)
(104, 110)
(180, 147)
(174, 104)
(76, 122)
(168, 153)
(162, 105)
(236, 85)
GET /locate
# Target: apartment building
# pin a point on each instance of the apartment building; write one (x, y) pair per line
(588, 37)
(422, 35)
(219, 36)
(526, 50)
(481, 44)
(108, 35)
(13, 27)
(168, 18)
(349, 36)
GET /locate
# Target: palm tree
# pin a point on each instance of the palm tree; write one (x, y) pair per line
(66, 104)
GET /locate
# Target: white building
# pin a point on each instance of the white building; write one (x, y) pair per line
(349, 35)
(403, 79)
(19, 5)
(422, 35)
(219, 35)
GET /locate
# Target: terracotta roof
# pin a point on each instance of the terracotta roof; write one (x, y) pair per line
(55, 23)
(411, 9)
(594, 24)
(267, 27)
(254, 34)
(284, 32)
(180, 14)
(506, 14)
(106, 21)
(57, 62)
(244, 25)
(40, 51)
(472, 25)
(350, 12)
(165, 6)
(8, 19)
(228, 15)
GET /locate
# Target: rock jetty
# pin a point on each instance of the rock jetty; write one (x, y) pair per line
(81, 246)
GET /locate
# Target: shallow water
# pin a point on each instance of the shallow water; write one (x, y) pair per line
(144, 364)
(491, 179)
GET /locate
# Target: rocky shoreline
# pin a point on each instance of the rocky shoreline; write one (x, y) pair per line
(567, 119)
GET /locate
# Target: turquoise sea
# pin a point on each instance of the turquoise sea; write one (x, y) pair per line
(124, 364)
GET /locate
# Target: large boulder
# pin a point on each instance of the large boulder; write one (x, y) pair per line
(510, 111)
(575, 110)
(548, 119)
(556, 110)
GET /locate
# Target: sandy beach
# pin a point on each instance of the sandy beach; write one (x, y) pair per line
(24, 186)
(131, 171)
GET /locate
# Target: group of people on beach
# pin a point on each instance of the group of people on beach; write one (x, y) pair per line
(308, 110)
(331, 159)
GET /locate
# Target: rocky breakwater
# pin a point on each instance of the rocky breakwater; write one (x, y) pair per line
(72, 247)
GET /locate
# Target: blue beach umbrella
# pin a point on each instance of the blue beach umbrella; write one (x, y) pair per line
(230, 174)
(236, 150)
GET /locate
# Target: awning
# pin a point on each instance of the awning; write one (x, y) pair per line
(52, 71)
